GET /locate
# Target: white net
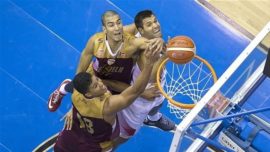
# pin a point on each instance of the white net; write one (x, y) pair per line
(225, 82)
(185, 84)
(180, 113)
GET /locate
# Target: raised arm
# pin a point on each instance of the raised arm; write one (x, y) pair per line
(114, 85)
(86, 56)
(152, 92)
(163, 56)
(121, 101)
(139, 44)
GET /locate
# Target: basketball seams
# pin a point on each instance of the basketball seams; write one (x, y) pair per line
(180, 49)
(183, 59)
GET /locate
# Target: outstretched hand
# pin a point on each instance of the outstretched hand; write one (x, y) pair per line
(152, 54)
(151, 93)
(156, 43)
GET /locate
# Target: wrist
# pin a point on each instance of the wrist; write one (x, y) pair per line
(148, 63)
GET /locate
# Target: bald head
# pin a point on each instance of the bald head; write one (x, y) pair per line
(107, 14)
(112, 26)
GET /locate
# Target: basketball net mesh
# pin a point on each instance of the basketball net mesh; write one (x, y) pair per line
(177, 111)
(185, 84)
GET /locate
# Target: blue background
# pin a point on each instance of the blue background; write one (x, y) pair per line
(40, 46)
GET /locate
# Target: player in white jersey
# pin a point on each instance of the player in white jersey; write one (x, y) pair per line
(144, 110)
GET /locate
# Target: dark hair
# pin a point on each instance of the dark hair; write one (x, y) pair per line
(107, 14)
(82, 81)
(140, 16)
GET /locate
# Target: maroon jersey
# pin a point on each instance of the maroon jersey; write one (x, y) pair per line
(106, 66)
(90, 132)
(120, 70)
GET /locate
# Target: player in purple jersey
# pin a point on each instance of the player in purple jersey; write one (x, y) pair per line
(94, 110)
(110, 48)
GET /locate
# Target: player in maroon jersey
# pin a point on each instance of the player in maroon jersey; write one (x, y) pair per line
(113, 51)
(94, 110)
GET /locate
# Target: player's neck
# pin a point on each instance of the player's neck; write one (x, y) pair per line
(113, 46)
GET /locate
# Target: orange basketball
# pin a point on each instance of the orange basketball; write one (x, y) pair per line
(181, 49)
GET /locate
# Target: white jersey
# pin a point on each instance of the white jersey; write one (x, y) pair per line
(135, 114)
(138, 34)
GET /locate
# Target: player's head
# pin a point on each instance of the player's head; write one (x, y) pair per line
(89, 85)
(147, 24)
(112, 25)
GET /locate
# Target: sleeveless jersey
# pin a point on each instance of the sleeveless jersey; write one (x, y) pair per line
(89, 126)
(108, 67)
(135, 114)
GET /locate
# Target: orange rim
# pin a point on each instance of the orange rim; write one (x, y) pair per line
(179, 103)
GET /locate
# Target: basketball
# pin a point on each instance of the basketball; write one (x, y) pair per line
(181, 49)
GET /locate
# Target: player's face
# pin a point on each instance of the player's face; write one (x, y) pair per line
(151, 28)
(97, 88)
(113, 28)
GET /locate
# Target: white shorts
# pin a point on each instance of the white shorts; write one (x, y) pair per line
(131, 118)
(125, 130)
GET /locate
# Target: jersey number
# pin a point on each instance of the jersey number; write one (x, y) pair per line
(86, 123)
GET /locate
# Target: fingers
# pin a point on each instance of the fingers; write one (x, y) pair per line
(157, 52)
(68, 120)
(154, 49)
(70, 124)
(147, 52)
(160, 48)
(154, 53)
(153, 89)
(156, 43)
(65, 124)
(151, 93)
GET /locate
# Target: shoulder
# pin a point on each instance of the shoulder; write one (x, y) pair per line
(75, 95)
(100, 34)
(98, 37)
(88, 107)
(128, 36)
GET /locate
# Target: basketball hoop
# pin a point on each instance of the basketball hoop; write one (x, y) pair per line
(183, 85)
